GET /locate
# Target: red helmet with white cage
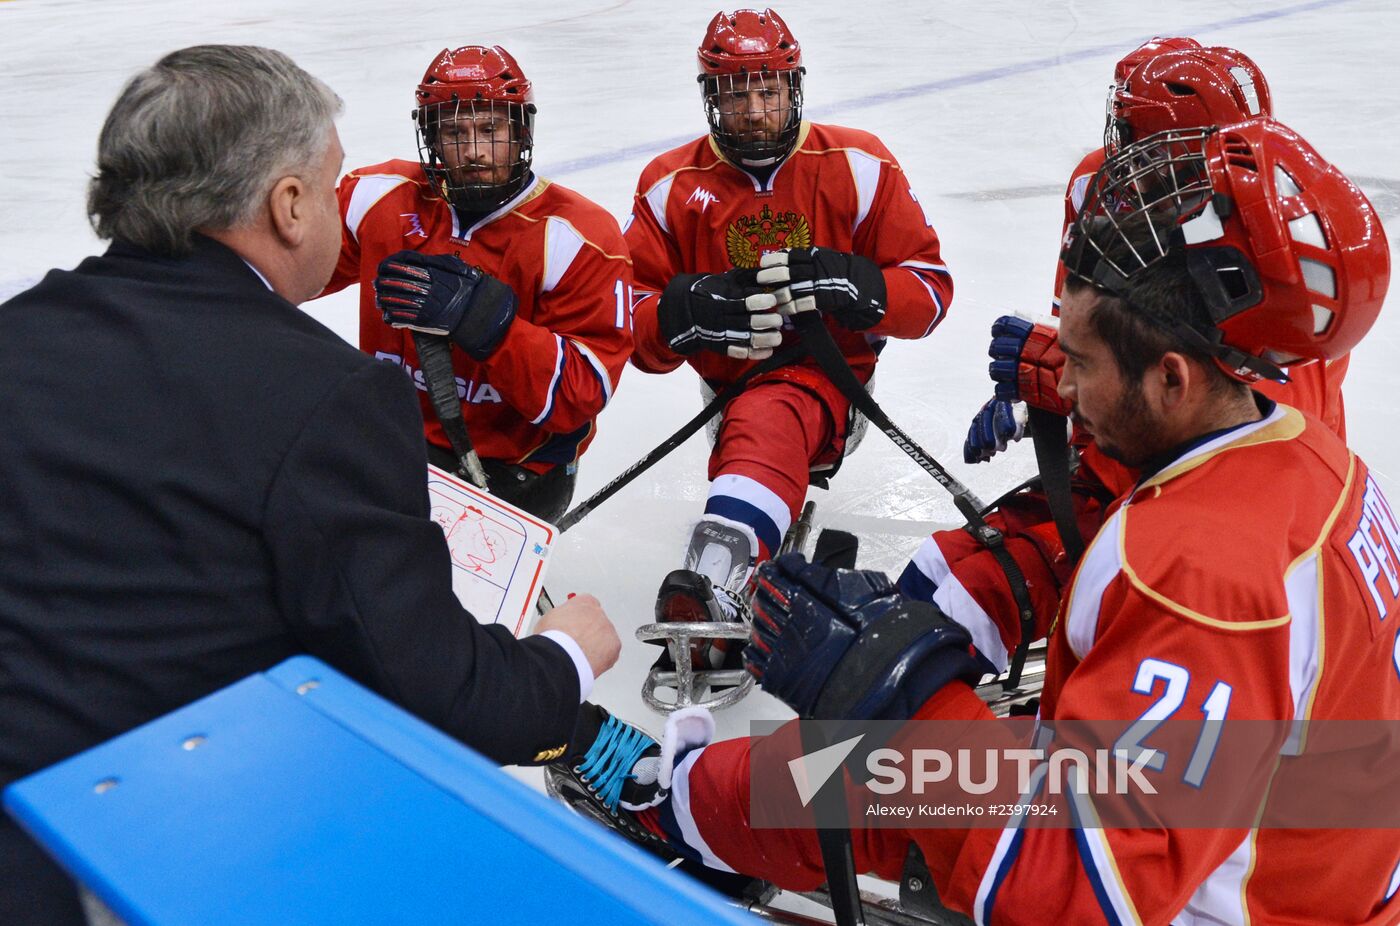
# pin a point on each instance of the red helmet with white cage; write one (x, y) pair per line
(750, 74)
(475, 121)
(1289, 255)
(1183, 89)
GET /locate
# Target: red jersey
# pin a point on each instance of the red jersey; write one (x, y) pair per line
(1283, 622)
(1287, 621)
(840, 188)
(535, 399)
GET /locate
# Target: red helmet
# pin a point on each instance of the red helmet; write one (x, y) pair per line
(1289, 255)
(748, 41)
(750, 65)
(484, 87)
(1186, 89)
(1150, 49)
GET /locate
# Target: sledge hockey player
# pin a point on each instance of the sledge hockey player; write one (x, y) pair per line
(529, 280)
(1283, 623)
(1167, 83)
(729, 231)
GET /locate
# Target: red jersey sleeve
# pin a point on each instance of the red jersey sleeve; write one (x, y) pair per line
(655, 260)
(560, 369)
(1074, 201)
(896, 233)
(347, 267)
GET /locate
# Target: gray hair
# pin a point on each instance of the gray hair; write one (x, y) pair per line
(197, 141)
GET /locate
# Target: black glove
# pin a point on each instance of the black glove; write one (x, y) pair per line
(843, 644)
(728, 313)
(441, 294)
(848, 287)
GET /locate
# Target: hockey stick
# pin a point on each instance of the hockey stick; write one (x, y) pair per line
(811, 328)
(716, 405)
(435, 357)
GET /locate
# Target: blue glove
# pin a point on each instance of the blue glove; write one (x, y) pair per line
(995, 425)
(442, 294)
(844, 644)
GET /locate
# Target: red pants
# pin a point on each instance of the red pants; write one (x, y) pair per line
(771, 436)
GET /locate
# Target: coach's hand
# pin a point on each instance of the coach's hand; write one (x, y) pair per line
(848, 287)
(582, 618)
(442, 294)
(844, 644)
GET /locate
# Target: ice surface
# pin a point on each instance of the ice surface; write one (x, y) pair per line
(987, 105)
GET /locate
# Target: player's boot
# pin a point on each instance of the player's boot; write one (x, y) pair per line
(615, 772)
(687, 595)
(702, 620)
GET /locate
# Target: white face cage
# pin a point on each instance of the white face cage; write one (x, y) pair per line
(754, 118)
(1113, 128)
(476, 153)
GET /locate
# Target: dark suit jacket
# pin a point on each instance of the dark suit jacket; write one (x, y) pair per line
(199, 480)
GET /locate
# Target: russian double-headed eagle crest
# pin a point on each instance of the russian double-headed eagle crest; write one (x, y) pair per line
(749, 237)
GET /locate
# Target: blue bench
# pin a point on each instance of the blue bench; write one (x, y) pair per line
(296, 796)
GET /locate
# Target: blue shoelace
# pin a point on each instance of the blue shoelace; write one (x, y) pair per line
(607, 765)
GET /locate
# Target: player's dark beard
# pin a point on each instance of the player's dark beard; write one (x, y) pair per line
(1130, 433)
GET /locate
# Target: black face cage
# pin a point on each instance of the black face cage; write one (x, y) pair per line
(1154, 198)
(748, 100)
(447, 158)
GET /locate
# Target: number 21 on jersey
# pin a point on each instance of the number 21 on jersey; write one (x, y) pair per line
(1176, 681)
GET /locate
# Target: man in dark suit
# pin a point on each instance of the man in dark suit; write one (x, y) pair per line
(200, 480)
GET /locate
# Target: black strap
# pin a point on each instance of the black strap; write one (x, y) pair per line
(1050, 437)
(818, 341)
(716, 405)
(838, 855)
(435, 358)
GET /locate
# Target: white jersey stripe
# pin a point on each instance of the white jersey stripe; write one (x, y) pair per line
(597, 366)
(1095, 853)
(1304, 593)
(369, 190)
(865, 170)
(756, 494)
(680, 805)
(1101, 564)
(1219, 901)
(957, 602)
(937, 303)
(1004, 855)
(562, 242)
(924, 265)
(656, 199)
(554, 381)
